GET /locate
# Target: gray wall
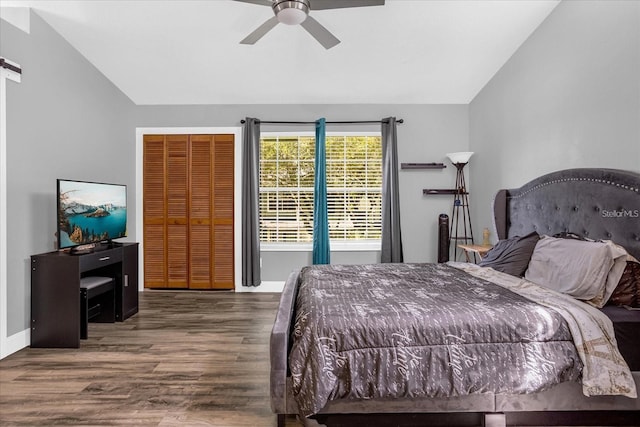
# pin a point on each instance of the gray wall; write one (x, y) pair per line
(428, 133)
(64, 120)
(569, 97)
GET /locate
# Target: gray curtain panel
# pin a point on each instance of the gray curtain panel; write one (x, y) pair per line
(391, 236)
(250, 201)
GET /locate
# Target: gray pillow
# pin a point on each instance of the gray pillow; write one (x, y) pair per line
(511, 255)
(586, 270)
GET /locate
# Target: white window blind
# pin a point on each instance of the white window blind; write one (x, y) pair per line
(354, 187)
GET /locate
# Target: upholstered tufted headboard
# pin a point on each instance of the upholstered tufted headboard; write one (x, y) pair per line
(595, 203)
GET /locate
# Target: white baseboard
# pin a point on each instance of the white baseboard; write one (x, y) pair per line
(15, 342)
(264, 287)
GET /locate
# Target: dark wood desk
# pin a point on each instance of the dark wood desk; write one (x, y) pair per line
(55, 290)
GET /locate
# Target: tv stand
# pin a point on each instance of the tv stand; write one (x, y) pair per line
(55, 290)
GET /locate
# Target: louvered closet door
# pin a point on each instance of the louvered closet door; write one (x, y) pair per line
(211, 237)
(154, 212)
(177, 211)
(165, 210)
(190, 194)
(223, 212)
(201, 226)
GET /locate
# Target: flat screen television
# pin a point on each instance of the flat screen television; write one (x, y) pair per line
(90, 212)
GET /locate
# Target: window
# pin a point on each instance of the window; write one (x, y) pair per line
(354, 188)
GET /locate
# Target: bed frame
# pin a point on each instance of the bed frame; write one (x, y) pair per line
(596, 203)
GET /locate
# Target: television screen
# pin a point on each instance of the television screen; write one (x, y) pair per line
(90, 212)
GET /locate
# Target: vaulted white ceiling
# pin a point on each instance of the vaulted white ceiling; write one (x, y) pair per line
(187, 52)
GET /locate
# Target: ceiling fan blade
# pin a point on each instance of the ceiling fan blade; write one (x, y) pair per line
(320, 33)
(260, 2)
(260, 31)
(340, 4)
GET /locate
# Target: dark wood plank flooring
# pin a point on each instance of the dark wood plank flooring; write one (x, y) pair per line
(186, 359)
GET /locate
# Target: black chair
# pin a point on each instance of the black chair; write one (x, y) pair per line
(97, 302)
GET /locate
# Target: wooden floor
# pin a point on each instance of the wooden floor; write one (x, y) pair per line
(186, 359)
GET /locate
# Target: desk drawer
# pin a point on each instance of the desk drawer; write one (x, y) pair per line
(99, 259)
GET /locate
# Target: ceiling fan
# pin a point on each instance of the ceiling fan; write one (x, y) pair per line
(294, 12)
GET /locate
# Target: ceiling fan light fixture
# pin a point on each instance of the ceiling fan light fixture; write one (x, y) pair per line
(291, 12)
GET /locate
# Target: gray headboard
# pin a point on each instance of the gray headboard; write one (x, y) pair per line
(595, 203)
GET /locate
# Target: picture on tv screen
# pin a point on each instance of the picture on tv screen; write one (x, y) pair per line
(90, 212)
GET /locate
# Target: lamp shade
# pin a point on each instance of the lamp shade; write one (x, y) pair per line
(460, 157)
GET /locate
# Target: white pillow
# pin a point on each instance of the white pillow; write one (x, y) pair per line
(573, 267)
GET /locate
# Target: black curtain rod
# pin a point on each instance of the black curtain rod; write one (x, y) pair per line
(5, 64)
(312, 123)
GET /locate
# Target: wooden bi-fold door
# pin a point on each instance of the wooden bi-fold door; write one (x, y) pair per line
(188, 211)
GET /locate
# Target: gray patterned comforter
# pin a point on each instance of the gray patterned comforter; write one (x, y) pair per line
(415, 330)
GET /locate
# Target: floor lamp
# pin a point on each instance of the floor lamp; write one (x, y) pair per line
(461, 231)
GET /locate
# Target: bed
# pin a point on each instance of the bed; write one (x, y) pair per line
(592, 203)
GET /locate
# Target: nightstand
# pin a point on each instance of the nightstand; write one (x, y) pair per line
(475, 249)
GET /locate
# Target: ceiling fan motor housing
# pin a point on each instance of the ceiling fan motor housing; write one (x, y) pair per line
(291, 12)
